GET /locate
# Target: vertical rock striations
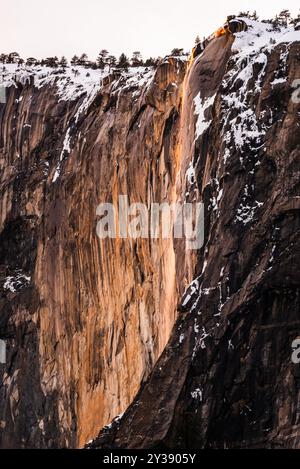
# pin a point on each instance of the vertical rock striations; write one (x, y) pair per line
(226, 378)
(83, 320)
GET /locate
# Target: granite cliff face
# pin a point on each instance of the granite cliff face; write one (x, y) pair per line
(226, 378)
(85, 321)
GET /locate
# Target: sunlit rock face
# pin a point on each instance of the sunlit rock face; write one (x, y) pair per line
(226, 378)
(84, 320)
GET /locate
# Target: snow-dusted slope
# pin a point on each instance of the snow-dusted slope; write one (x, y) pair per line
(71, 82)
(262, 35)
(74, 83)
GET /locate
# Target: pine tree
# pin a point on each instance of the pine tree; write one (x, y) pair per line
(123, 62)
(74, 60)
(296, 21)
(254, 16)
(31, 61)
(244, 14)
(63, 62)
(83, 59)
(3, 58)
(284, 18)
(13, 58)
(51, 61)
(136, 60)
(102, 58)
(177, 52)
(150, 62)
(111, 60)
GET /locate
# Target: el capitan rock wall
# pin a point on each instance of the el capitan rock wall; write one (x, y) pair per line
(84, 320)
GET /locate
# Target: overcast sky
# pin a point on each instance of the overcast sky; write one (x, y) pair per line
(42, 28)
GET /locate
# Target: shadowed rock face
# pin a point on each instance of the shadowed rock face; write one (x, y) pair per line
(226, 378)
(84, 320)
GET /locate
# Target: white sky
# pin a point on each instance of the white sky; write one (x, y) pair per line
(42, 28)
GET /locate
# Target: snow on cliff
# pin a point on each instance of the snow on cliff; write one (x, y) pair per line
(71, 82)
(245, 130)
(249, 48)
(262, 35)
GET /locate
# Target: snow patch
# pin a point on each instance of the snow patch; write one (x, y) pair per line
(201, 106)
(278, 81)
(190, 174)
(261, 35)
(15, 283)
(197, 394)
